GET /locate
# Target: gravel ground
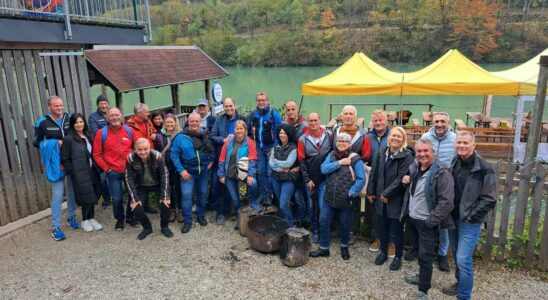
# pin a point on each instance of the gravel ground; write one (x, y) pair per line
(209, 262)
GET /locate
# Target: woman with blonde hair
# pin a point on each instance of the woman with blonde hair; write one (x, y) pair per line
(165, 137)
(386, 191)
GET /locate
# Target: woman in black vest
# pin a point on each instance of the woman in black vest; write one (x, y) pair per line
(283, 158)
(386, 190)
(345, 177)
(78, 163)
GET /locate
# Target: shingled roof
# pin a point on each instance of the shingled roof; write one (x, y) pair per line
(129, 68)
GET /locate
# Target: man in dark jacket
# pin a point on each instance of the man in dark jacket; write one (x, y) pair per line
(96, 121)
(50, 128)
(223, 130)
(145, 173)
(428, 201)
(474, 198)
(262, 124)
(312, 148)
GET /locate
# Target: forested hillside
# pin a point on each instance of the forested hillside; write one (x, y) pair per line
(314, 32)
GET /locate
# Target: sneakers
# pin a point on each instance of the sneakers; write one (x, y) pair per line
(72, 223)
(144, 233)
(221, 219)
(57, 234)
(345, 254)
(202, 221)
(381, 259)
(375, 246)
(396, 264)
(186, 227)
(450, 290)
(96, 225)
(391, 250)
(413, 279)
(166, 232)
(410, 256)
(443, 264)
(421, 295)
(321, 253)
(119, 225)
(86, 226)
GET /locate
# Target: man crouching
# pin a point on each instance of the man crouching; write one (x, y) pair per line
(145, 173)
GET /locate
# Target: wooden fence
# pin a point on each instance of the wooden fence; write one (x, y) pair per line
(517, 230)
(27, 79)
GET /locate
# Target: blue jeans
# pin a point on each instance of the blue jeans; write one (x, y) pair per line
(104, 189)
(284, 191)
(234, 193)
(326, 216)
(444, 242)
(115, 189)
(58, 189)
(463, 241)
(187, 187)
(315, 204)
(299, 210)
(264, 174)
(217, 194)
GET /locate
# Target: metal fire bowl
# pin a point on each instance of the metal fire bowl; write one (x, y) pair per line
(264, 233)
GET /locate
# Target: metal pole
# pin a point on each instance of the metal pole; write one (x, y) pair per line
(301, 104)
(134, 2)
(68, 31)
(148, 22)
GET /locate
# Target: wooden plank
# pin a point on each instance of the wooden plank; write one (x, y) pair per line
(535, 214)
(66, 78)
(4, 218)
(505, 212)
(491, 218)
(40, 77)
(58, 78)
(75, 85)
(24, 138)
(84, 85)
(543, 253)
(34, 98)
(521, 209)
(9, 160)
(50, 79)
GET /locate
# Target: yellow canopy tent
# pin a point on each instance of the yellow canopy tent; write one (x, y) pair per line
(357, 76)
(526, 74)
(454, 74)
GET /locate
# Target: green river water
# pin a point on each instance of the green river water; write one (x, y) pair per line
(285, 83)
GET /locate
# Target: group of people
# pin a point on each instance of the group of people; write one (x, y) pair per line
(436, 194)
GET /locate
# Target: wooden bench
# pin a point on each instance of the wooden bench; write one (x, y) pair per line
(460, 124)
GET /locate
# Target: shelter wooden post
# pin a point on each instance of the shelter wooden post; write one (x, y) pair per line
(119, 101)
(530, 155)
(142, 96)
(175, 98)
(104, 90)
(487, 104)
(207, 89)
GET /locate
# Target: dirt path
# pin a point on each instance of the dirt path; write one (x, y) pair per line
(209, 262)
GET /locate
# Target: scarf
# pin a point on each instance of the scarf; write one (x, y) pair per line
(340, 155)
(199, 140)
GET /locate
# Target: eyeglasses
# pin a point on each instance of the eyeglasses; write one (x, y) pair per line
(343, 141)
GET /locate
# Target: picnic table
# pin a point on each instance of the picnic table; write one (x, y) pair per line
(480, 121)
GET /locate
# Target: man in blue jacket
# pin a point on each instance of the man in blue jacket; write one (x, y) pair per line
(263, 123)
(192, 155)
(223, 130)
(96, 121)
(53, 126)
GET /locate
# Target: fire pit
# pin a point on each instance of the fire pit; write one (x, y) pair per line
(264, 233)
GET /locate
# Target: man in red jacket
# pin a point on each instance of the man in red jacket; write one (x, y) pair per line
(140, 123)
(110, 151)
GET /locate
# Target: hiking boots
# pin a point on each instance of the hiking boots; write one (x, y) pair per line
(396, 264)
(166, 232)
(144, 233)
(450, 290)
(413, 279)
(186, 227)
(443, 264)
(345, 254)
(119, 225)
(320, 253)
(202, 221)
(381, 259)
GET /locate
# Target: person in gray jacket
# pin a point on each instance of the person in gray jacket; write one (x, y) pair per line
(474, 198)
(428, 202)
(443, 140)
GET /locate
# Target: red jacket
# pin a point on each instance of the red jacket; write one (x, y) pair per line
(300, 147)
(113, 153)
(142, 129)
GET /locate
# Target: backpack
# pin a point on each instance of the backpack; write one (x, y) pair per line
(104, 134)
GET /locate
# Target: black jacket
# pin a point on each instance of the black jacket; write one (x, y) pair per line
(478, 195)
(440, 195)
(85, 178)
(47, 128)
(135, 170)
(385, 178)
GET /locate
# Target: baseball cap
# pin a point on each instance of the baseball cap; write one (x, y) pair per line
(202, 102)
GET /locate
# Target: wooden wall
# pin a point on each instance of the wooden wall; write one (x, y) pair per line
(27, 79)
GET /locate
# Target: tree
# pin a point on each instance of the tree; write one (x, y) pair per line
(475, 29)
